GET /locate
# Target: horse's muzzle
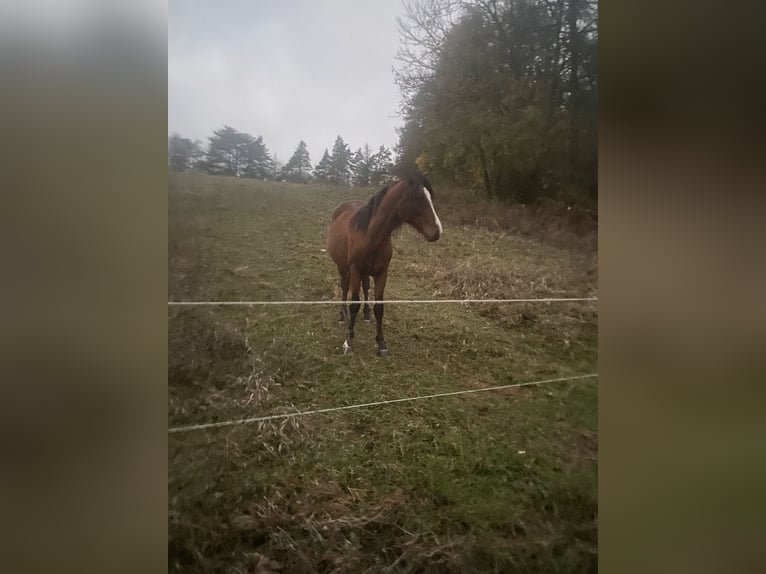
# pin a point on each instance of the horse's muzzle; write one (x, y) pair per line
(433, 237)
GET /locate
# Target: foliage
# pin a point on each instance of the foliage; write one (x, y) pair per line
(298, 168)
(371, 170)
(238, 154)
(381, 166)
(322, 169)
(500, 95)
(183, 154)
(340, 170)
(258, 161)
(360, 169)
(225, 153)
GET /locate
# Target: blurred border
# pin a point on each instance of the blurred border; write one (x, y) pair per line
(682, 322)
(84, 401)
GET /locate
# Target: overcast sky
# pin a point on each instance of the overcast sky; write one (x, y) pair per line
(285, 69)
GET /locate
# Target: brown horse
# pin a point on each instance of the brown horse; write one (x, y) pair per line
(359, 242)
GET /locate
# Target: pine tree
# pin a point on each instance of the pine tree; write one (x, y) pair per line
(298, 169)
(362, 164)
(381, 166)
(353, 162)
(322, 169)
(258, 163)
(339, 162)
(238, 154)
(226, 152)
(183, 154)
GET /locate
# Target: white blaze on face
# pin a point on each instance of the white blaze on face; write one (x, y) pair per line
(436, 217)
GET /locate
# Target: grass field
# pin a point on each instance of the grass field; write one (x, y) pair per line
(503, 481)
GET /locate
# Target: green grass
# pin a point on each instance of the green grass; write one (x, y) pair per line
(500, 481)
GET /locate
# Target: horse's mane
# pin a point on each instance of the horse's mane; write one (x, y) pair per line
(361, 219)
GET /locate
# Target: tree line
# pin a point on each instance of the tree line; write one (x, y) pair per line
(233, 153)
(500, 95)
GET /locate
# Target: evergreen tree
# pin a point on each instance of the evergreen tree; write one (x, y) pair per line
(339, 172)
(298, 169)
(357, 165)
(183, 154)
(322, 169)
(353, 161)
(381, 167)
(362, 165)
(238, 154)
(257, 162)
(226, 152)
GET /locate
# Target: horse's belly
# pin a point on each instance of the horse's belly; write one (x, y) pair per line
(372, 263)
(337, 244)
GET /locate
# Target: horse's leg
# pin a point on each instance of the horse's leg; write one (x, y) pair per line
(344, 296)
(355, 280)
(366, 288)
(380, 286)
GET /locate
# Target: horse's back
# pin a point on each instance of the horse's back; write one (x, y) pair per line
(351, 206)
(337, 234)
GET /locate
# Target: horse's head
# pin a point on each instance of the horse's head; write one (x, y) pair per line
(417, 207)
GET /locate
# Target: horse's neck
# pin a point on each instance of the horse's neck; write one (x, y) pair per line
(383, 223)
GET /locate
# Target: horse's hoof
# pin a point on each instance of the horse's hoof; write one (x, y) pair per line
(341, 322)
(346, 348)
(382, 352)
(367, 320)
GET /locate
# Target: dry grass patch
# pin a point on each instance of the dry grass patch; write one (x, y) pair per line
(489, 482)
